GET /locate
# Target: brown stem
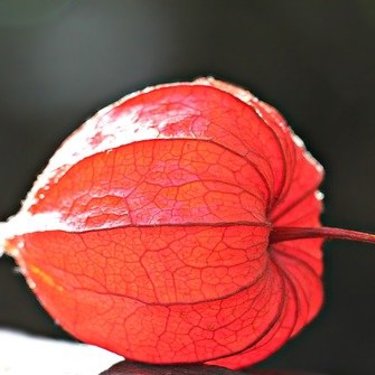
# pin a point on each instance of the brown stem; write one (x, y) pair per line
(279, 234)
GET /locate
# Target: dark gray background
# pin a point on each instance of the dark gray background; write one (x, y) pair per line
(314, 60)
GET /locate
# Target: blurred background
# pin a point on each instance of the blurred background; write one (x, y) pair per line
(61, 61)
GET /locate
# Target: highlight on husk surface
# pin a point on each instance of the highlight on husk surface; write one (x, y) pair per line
(179, 224)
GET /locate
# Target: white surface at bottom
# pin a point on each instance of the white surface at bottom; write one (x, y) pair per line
(22, 354)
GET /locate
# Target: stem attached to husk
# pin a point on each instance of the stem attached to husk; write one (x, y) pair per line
(280, 234)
